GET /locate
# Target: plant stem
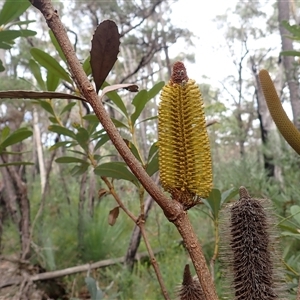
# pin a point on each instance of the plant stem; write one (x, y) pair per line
(172, 209)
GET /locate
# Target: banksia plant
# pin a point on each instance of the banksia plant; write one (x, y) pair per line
(282, 121)
(190, 289)
(184, 150)
(249, 250)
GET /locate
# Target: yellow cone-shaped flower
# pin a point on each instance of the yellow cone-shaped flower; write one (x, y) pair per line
(184, 150)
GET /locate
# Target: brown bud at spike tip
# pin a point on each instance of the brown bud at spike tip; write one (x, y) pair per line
(190, 288)
(249, 250)
(179, 74)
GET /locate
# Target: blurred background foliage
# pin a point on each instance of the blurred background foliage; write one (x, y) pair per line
(61, 150)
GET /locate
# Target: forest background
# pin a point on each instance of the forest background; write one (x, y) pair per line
(51, 192)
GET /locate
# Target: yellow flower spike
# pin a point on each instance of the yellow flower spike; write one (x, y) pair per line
(184, 150)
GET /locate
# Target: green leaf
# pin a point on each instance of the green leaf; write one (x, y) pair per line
(5, 133)
(119, 124)
(104, 138)
(49, 63)
(57, 46)
(147, 119)
(70, 159)
(213, 202)
(68, 107)
(153, 166)
(62, 130)
(294, 29)
(153, 150)
(94, 290)
(87, 66)
(17, 163)
(290, 53)
(9, 35)
(117, 170)
(27, 33)
(295, 211)
(5, 46)
(16, 137)
(47, 106)
(12, 9)
(133, 149)
(228, 195)
(82, 137)
(1, 65)
(52, 81)
(36, 71)
(79, 170)
(61, 144)
(116, 99)
(139, 101)
(91, 118)
(53, 120)
(155, 89)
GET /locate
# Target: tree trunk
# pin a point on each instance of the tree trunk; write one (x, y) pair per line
(39, 149)
(288, 61)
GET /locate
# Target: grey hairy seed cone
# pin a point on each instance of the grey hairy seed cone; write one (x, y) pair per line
(190, 289)
(249, 250)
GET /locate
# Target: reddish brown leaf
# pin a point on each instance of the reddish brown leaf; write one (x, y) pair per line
(113, 215)
(104, 52)
(101, 193)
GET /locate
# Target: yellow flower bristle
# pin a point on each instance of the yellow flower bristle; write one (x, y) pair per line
(184, 150)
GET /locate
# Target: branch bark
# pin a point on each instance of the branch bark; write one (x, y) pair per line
(172, 209)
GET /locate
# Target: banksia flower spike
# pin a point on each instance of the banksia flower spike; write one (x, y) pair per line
(282, 121)
(184, 150)
(190, 289)
(249, 250)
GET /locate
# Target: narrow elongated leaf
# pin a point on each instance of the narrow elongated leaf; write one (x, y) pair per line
(12, 9)
(153, 166)
(16, 137)
(68, 107)
(37, 95)
(117, 170)
(70, 159)
(104, 138)
(129, 86)
(17, 163)
(147, 119)
(290, 53)
(213, 202)
(116, 99)
(87, 66)
(82, 137)
(1, 65)
(47, 106)
(139, 101)
(228, 195)
(61, 144)
(6, 45)
(52, 81)
(49, 63)
(94, 290)
(295, 211)
(8, 35)
(36, 71)
(104, 52)
(62, 130)
(5, 133)
(27, 32)
(79, 169)
(152, 151)
(294, 29)
(155, 89)
(133, 149)
(57, 46)
(118, 123)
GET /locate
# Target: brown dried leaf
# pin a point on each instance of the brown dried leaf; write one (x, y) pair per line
(101, 193)
(37, 95)
(128, 86)
(113, 215)
(104, 51)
